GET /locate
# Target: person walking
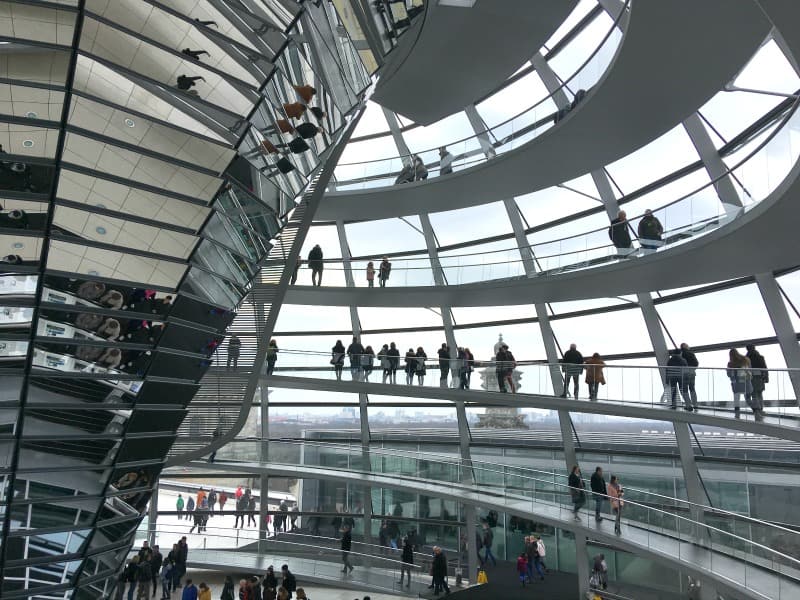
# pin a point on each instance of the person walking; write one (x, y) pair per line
(234, 349)
(741, 381)
(599, 572)
(690, 373)
(444, 364)
(676, 371)
(394, 362)
(594, 374)
(156, 560)
(445, 161)
(129, 575)
(179, 506)
(577, 491)
(272, 355)
(370, 274)
(650, 231)
(439, 571)
(463, 369)
(599, 491)
(166, 579)
(354, 352)
(759, 377)
(144, 576)
(573, 367)
(212, 501)
(227, 589)
(289, 581)
(205, 591)
(620, 235)
(421, 368)
(346, 545)
(337, 359)
(487, 541)
(315, 263)
(251, 514)
(522, 567)
(189, 591)
(241, 506)
(615, 492)
(407, 561)
(223, 498)
(189, 507)
(384, 270)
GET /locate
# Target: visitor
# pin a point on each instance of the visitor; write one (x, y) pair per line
(522, 567)
(741, 382)
(599, 491)
(676, 370)
(541, 552)
(406, 175)
(301, 594)
(619, 233)
(212, 500)
(470, 365)
(383, 361)
(510, 364)
(289, 582)
(166, 579)
(223, 498)
(234, 348)
(445, 161)
(315, 263)
(245, 593)
(444, 364)
(156, 560)
(346, 544)
(394, 362)
(186, 83)
(487, 541)
(189, 591)
(463, 368)
(297, 266)
(572, 362)
(370, 274)
(594, 374)
(599, 579)
(650, 231)
(367, 362)
(615, 492)
(759, 377)
(195, 54)
(272, 355)
(270, 581)
(241, 507)
(337, 359)
(227, 589)
(384, 270)
(354, 352)
(407, 561)
(205, 592)
(421, 368)
(129, 575)
(439, 571)
(420, 170)
(306, 92)
(251, 514)
(189, 507)
(500, 368)
(411, 366)
(690, 373)
(577, 491)
(179, 506)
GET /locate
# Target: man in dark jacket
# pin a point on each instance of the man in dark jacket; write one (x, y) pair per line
(144, 575)
(347, 543)
(289, 581)
(576, 491)
(573, 367)
(598, 485)
(444, 365)
(760, 377)
(394, 362)
(650, 231)
(155, 567)
(407, 560)
(439, 571)
(488, 540)
(355, 351)
(689, 377)
(676, 378)
(618, 232)
(315, 264)
(500, 360)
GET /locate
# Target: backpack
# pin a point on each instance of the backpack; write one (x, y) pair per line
(540, 548)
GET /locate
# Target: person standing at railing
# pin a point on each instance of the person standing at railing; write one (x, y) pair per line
(615, 492)
(420, 170)
(599, 491)
(337, 359)
(444, 364)
(370, 274)
(463, 369)
(577, 491)
(354, 352)
(741, 381)
(394, 362)
(620, 234)
(384, 270)
(367, 362)
(251, 514)
(677, 367)
(346, 544)
(691, 373)
(445, 161)
(421, 368)
(406, 175)
(594, 374)
(234, 349)
(383, 361)
(272, 355)
(650, 231)
(411, 366)
(759, 378)
(572, 362)
(296, 271)
(315, 263)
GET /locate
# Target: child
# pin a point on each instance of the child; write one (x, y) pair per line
(370, 274)
(522, 568)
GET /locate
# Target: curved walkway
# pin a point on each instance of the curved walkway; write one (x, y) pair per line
(489, 40)
(773, 426)
(674, 56)
(737, 577)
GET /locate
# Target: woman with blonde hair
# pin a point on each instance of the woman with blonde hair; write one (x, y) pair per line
(741, 378)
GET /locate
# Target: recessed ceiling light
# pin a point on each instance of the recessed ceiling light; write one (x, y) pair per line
(31, 115)
(130, 122)
(93, 272)
(100, 230)
(17, 245)
(27, 143)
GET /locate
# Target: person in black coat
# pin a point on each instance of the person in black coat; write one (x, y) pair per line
(289, 580)
(315, 263)
(600, 491)
(347, 543)
(439, 571)
(689, 374)
(576, 490)
(760, 377)
(677, 368)
(408, 559)
(619, 233)
(573, 367)
(444, 365)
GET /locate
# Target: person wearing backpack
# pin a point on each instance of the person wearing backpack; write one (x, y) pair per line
(384, 270)
(541, 552)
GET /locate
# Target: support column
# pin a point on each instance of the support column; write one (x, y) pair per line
(782, 323)
(479, 127)
(263, 508)
(363, 399)
(582, 564)
(397, 135)
(152, 517)
(471, 518)
(263, 398)
(694, 487)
